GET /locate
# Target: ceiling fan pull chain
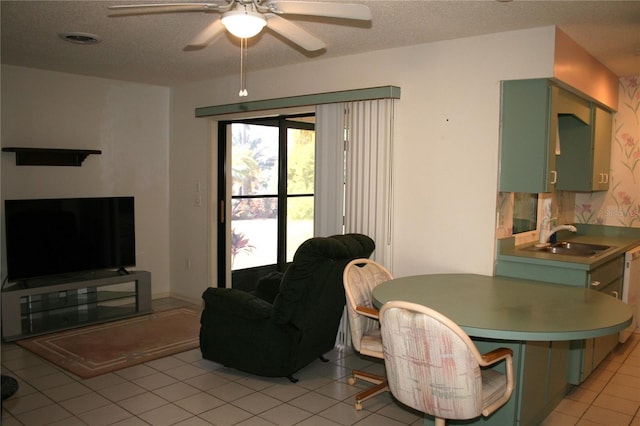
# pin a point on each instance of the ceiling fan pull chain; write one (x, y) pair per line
(243, 71)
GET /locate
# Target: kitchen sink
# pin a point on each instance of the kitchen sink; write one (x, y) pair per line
(570, 248)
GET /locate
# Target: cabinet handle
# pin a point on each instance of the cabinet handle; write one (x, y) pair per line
(553, 177)
(604, 178)
(595, 283)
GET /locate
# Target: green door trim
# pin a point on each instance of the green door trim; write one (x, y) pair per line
(382, 92)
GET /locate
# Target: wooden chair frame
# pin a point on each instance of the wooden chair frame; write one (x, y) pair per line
(355, 307)
(484, 360)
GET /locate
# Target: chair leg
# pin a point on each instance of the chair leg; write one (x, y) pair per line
(368, 377)
(381, 385)
(440, 422)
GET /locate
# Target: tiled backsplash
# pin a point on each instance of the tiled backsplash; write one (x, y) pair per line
(557, 205)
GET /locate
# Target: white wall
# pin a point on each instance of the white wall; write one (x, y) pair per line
(128, 122)
(446, 145)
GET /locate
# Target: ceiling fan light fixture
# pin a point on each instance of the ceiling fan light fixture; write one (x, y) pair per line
(243, 23)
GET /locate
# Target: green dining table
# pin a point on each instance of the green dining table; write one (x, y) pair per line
(541, 322)
(510, 308)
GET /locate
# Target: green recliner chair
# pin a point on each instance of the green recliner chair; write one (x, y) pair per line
(243, 331)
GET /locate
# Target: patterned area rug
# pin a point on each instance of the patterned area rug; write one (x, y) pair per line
(98, 349)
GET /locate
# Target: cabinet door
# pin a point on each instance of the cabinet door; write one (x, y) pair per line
(575, 156)
(580, 360)
(602, 346)
(558, 371)
(528, 136)
(588, 365)
(585, 151)
(603, 125)
(534, 382)
(544, 379)
(605, 275)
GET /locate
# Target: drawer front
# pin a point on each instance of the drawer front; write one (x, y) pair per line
(606, 274)
(613, 289)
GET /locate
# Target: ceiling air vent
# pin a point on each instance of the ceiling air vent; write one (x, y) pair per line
(80, 38)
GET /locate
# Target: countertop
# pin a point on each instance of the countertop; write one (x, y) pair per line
(620, 240)
(510, 308)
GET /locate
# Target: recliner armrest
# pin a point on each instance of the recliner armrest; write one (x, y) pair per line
(237, 303)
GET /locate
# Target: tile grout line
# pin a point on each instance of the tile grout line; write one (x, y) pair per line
(601, 391)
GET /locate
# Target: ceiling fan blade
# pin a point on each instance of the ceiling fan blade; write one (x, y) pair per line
(164, 8)
(294, 33)
(333, 10)
(206, 36)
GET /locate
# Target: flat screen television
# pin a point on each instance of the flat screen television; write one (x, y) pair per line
(47, 237)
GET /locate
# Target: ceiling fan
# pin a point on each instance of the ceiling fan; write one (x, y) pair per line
(247, 18)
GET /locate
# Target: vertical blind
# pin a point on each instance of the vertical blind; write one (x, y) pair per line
(368, 173)
(354, 146)
(329, 174)
(354, 171)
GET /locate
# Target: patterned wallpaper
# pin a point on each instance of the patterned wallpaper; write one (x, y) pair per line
(620, 205)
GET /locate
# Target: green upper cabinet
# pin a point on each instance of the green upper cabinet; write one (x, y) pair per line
(585, 152)
(552, 139)
(574, 142)
(602, 134)
(529, 124)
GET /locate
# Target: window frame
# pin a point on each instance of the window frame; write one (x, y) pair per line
(251, 275)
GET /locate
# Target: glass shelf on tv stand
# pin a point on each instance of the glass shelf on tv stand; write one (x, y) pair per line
(64, 304)
(68, 307)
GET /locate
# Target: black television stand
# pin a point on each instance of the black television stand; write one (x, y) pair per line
(67, 302)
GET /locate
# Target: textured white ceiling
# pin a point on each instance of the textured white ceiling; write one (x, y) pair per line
(149, 48)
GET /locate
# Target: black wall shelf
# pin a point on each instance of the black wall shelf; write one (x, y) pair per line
(50, 156)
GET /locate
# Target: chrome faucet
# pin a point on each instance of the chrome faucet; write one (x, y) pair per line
(546, 233)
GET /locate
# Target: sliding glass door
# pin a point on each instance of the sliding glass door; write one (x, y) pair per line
(266, 193)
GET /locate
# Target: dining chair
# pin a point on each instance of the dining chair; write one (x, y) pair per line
(434, 367)
(360, 277)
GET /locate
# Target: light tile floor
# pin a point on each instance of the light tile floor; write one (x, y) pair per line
(186, 390)
(611, 394)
